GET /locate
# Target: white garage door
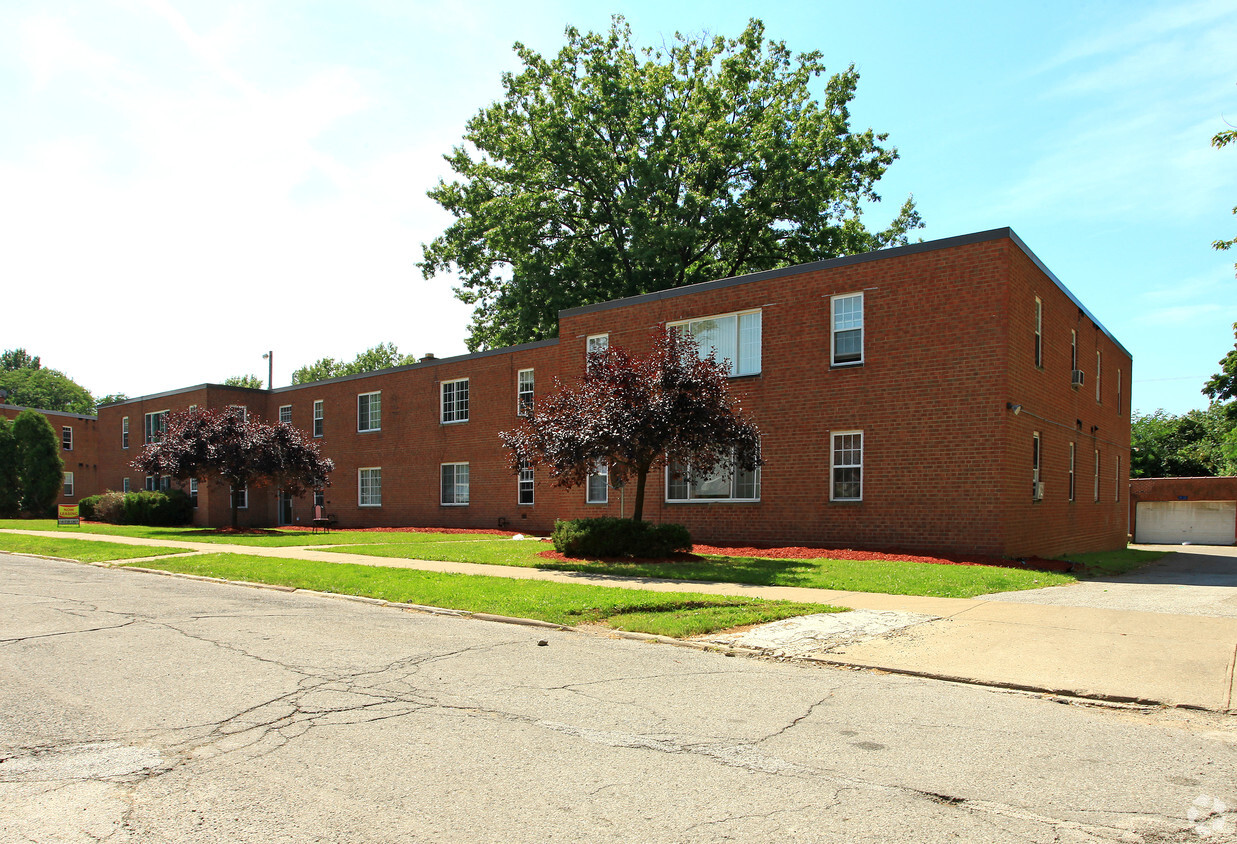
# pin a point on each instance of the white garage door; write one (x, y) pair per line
(1198, 522)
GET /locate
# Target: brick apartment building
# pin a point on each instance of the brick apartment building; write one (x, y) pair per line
(949, 395)
(79, 449)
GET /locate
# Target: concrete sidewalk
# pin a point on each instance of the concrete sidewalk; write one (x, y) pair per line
(1123, 655)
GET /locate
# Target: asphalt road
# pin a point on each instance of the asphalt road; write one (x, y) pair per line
(137, 707)
(1191, 580)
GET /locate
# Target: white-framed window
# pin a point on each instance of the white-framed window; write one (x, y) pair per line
(124, 432)
(319, 497)
(1120, 403)
(596, 343)
(597, 490)
(724, 483)
(124, 485)
(285, 414)
(846, 466)
(165, 483)
(1097, 476)
(846, 336)
(1036, 493)
(524, 384)
(1071, 471)
(319, 417)
(66, 438)
(240, 410)
(1116, 480)
(455, 401)
(454, 484)
(193, 492)
(1039, 332)
(156, 425)
(369, 412)
(369, 487)
(68, 484)
(1073, 351)
(731, 338)
(525, 494)
(152, 483)
(239, 498)
(1099, 360)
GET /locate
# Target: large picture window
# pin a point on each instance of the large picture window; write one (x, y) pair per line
(369, 412)
(454, 484)
(731, 338)
(156, 425)
(847, 467)
(724, 483)
(455, 401)
(846, 312)
(369, 487)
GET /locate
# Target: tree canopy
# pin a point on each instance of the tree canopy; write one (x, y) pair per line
(382, 356)
(252, 381)
(629, 411)
(610, 170)
(10, 479)
(40, 468)
(241, 452)
(28, 383)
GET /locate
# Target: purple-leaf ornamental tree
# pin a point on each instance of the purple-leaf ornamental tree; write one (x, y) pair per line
(242, 452)
(629, 411)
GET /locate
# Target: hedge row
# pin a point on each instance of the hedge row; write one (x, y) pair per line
(154, 509)
(611, 537)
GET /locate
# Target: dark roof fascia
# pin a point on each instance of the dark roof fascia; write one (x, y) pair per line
(536, 344)
(19, 408)
(846, 261)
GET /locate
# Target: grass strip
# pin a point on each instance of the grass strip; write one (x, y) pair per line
(83, 550)
(897, 577)
(676, 614)
(274, 539)
(1109, 563)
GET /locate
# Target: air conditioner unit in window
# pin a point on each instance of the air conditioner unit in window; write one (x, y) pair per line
(1079, 377)
(1039, 491)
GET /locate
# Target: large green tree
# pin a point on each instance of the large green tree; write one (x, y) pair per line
(251, 381)
(382, 356)
(10, 483)
(39, 466)
(27, 383)
(610, 170)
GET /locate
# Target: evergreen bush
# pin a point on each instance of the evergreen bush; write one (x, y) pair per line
(611, 537)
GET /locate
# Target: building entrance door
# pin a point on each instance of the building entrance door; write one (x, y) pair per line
(284, 508)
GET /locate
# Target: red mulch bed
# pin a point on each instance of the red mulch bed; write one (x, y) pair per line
(802, 553)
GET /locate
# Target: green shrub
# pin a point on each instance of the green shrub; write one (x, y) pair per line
(157, 509)
(86, 507)
(110, 508)
(610, 537)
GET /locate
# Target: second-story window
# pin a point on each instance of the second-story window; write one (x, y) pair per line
(319, 416)
(455, 401)
(369, 412)
(524, 392)
(846, 336)
(285, 414)
(1099, 362)
(732, 338)
(156, 424)
(1039, 332)
(66, 438)
(124, 432)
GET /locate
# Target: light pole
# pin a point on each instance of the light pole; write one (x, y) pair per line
(270, 371)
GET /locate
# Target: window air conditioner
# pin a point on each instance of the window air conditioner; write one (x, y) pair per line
(1079, 377)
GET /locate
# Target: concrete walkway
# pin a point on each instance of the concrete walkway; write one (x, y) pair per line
(1110, 654)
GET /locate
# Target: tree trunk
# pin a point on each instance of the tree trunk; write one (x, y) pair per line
(642, 476)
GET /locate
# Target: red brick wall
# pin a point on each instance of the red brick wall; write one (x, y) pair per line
(82, 459)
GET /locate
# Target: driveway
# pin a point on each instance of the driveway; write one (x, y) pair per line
(137, 708)
(1191, 580)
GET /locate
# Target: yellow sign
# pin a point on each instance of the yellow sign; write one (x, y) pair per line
(68, 515)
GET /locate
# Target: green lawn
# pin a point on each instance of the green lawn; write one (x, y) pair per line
(894, 578)
(85, 550)
(1108, 563)
(668, 614)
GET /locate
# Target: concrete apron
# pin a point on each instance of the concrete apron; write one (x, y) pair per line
(1141, 657)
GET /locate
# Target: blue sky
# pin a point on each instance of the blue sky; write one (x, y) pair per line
(185, 185)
